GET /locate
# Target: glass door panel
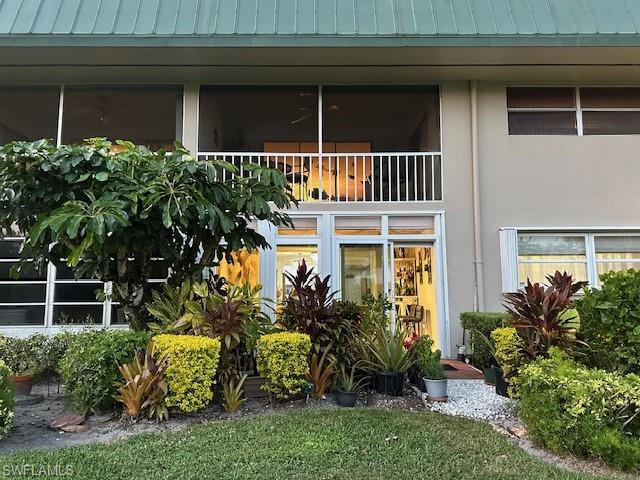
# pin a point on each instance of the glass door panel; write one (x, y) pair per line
(288, 257)
(362, 270)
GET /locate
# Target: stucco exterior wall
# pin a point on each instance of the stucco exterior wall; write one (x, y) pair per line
(457, 202)
(548, 181)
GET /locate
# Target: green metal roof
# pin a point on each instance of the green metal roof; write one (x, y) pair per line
(319, 22)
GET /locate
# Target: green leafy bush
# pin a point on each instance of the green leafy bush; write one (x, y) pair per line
(89, 368)
(311, 308)
(193, 361)
(22, 356)
(572, 409)
(610, 322)
(485, 323)
(6, 400)
(427, 359)
(509, 345)
(283, 361)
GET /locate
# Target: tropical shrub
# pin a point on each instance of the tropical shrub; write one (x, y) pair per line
(53, 349)
(482, 323)
(112, 212)
(191, 373)
(589, 412)
(89, 368)
(311, 309)
(6, 400)
(283, 361)
(23, 356)
(212, 308)
(540, 314)
(376, 313)
(509, 355)
(610, 322)
(321, 372)
(143, 388)
(348, 381)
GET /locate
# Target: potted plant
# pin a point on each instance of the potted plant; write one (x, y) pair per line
(428, 361)
(23, 357)
(435, 380)
(347, 387)
(387, 359)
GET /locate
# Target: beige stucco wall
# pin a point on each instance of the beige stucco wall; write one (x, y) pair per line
(555, 181)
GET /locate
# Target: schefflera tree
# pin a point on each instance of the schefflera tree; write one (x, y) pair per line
(109, 211)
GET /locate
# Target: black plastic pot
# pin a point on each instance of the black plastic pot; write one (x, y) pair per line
(501, 384)
(345, 399)
(389, 383)
(489, 376)
(415, 378)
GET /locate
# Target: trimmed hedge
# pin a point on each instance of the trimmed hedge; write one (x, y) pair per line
(193, 361)
(283, 361)
(572, 409)
(6, 400)
(485, 322)
(89, 368)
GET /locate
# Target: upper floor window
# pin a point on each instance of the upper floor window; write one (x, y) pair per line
(28, 113)
(573, 111)
(146, 115)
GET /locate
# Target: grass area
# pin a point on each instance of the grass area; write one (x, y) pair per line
(338, 444)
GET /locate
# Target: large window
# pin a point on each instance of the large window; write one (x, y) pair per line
(149, 115)
(28, 113)
(258, 119)
(584, 255)
(573, 111)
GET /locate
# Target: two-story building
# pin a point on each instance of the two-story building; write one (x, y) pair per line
(442, 150)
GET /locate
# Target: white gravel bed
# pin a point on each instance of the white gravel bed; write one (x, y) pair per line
(474, 399)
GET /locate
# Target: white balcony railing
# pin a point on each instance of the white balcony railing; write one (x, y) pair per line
(349, 177)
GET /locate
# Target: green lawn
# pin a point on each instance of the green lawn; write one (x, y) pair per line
(350, 444)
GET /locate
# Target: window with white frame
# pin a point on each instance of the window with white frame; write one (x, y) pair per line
(585, 255)
(23, 300)
(573, 110)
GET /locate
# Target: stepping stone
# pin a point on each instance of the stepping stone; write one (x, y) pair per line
(66, 421)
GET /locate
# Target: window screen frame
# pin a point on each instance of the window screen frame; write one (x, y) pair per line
(579, 110)
(590, 236)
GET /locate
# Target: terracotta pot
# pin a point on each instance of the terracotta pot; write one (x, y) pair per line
(22, 383)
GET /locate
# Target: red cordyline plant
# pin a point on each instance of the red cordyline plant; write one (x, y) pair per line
(543, 315)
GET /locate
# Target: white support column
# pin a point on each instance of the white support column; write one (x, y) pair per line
(190, 113)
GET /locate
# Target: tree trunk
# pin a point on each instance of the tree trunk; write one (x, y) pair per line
(130, 297)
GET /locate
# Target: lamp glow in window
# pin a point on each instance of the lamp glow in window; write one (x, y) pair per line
(288, 258)
(245, 268)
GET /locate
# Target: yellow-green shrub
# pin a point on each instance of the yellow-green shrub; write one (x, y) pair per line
(193, 361)
(283, 361)
(509, 345)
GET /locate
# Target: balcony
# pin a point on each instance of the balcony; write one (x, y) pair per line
(349, 177)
